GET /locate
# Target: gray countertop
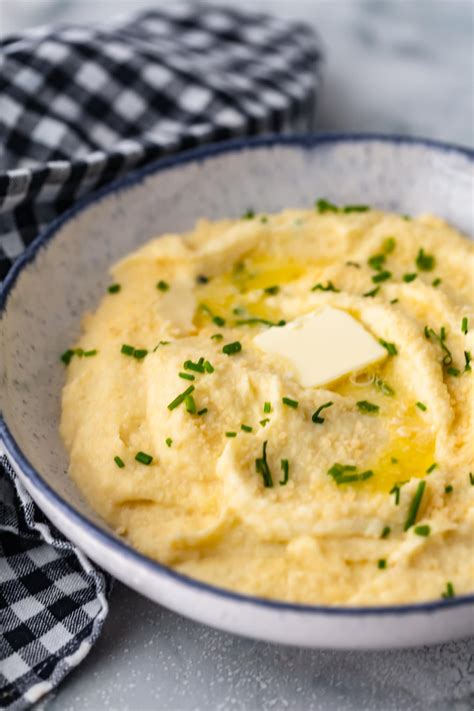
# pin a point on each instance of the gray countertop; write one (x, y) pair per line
(401, 66)
(150, 658)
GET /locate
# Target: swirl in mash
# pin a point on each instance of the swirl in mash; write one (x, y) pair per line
(375, 502)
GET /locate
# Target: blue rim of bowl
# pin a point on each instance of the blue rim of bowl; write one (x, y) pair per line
(303, 141)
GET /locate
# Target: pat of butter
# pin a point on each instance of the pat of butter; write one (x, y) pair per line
(323, 345)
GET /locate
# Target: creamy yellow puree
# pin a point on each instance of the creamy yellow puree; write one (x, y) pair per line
(201, 504)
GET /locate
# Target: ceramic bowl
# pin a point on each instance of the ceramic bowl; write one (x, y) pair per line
(65, 272)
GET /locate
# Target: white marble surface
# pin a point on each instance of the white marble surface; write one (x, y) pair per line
(403, 66)
(399, 66)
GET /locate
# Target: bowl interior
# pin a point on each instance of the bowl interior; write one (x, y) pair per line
(69, 273)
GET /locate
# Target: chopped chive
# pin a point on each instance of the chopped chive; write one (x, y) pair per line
(394, 460)
(208, 367)
(383, 387)
(248, 215)
(355, 208)
(231, 434)
(140, 353)
(79, 352)
(376, 261)
(232, 348)
(218, 320)
(162, 285)
(196, 367)
(161, 343)
(436, 282)
(323, 206)
(202, 279)
(471, 478)
(261, 466)
(264, 219)
(367, 407)
(267, 407)
(390, 347)
(388, 245)
(441, 338)
(246, 428)
(431, 468)
(406, 217)
(356, 265)
(217, 337)
(410, 277)
(119, 462)
(264, 421)
(67, 356)
(386, 532)
(425, 262)
(114, 288)
(464, 325)
(449, 591)
(144, 458)
(394, 301)
(396, 491)
(254, 320)
(372, 292)
(238, 311)
(190, 405)
(180, 398)
(422, 531)
(271, 290)
(381, 276)
(285, 467)
(291, 403)
(414, 506)
(421, 406)
(347, 473)
(381, 564)
(448, 489)
(186, 376)
(329, 287)
(429, 332)
(127, 350)
(467, 358)
(168, 441)
(454, 372)
(316, 418)
(88, 354)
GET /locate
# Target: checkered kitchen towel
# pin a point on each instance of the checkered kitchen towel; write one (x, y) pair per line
(81, 106)
(52, 601)
(78, 108)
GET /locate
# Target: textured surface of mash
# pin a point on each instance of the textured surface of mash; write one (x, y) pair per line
(202, 506)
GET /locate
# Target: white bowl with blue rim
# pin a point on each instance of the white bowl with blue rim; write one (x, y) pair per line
(65, 272)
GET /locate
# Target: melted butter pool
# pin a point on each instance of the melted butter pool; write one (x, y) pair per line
(411, 447)
(240, 293)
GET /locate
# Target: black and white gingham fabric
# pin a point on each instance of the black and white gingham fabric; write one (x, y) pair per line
(79, 106)
(52, 601)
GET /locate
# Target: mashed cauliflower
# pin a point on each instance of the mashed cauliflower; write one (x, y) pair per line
(208, 455)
